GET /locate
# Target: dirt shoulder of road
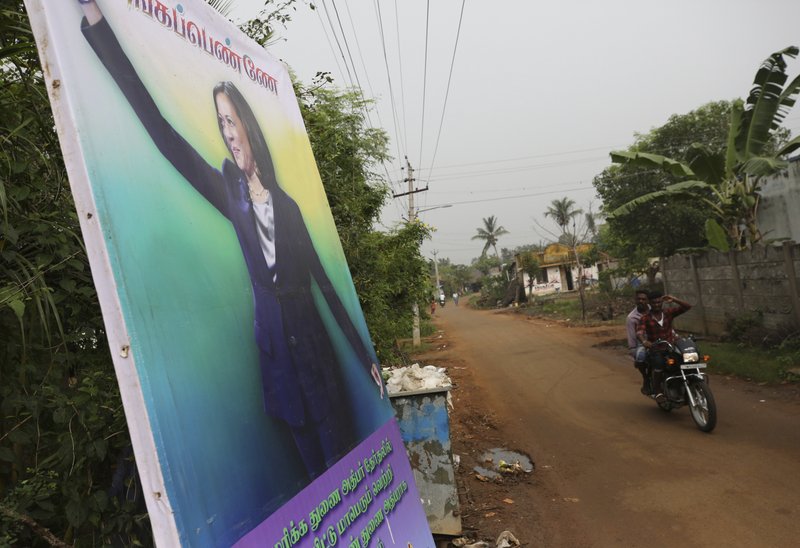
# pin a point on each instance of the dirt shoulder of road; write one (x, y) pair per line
(490, 507)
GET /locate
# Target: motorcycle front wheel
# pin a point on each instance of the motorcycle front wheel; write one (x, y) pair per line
(704, 409)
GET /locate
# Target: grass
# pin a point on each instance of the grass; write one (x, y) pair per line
(567, 308)
(756, 364)
(771, 365)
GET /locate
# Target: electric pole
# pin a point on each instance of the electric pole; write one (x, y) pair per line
(412, 214)
(436, 268)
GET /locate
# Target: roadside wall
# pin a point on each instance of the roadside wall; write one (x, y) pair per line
(723, 285)
(779, 204)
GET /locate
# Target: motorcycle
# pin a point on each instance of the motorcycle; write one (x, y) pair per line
(682, 381)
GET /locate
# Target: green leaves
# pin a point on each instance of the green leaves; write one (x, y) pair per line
(708, 166)
(730, 188)
(490, 232)
(716, 236)
(683, 188)
(644, 159)
(767, 104)
(53, 447)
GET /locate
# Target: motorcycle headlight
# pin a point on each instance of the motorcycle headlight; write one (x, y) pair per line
(690, 357)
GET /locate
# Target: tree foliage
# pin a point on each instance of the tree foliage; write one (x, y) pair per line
(454, 278)
(490, 233)
(658, 228)
(62, 430)
(726, 182)
(388, 269)
(563, 212)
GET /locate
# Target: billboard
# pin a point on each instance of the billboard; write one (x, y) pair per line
(252, 392)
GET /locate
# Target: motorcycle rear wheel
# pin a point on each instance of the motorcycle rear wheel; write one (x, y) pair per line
(704, 410)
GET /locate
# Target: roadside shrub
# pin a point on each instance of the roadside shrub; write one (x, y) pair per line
(492, 292)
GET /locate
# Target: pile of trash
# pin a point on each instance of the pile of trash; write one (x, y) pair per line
(414, 377)
(505, 540)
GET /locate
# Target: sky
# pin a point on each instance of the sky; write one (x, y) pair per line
(539, 93)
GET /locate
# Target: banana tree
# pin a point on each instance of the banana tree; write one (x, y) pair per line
(729, 182)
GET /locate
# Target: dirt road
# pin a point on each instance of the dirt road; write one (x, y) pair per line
(611, 468)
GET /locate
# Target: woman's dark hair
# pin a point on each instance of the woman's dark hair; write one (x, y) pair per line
(258, 144)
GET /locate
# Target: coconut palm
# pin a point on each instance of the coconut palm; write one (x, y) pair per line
(490, 233)
(222, 6)
(729, 183)
(563, 212)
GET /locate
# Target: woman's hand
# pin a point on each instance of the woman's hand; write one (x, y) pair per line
(91, 10)
(376, 376)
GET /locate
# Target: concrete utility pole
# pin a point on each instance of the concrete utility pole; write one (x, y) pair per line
(416, 340)
(436, 269)
(412, 214)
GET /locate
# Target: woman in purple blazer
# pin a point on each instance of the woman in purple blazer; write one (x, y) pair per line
(298, 364)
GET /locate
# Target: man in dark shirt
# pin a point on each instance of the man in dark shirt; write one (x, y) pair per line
(657, 325)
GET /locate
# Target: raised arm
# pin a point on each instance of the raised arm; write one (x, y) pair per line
(202, 176)
(682, 306)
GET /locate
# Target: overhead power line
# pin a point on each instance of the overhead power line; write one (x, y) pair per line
(402, 82)
(447, 93)
(424, 81)
(330, 45)
(338, 44)
(510, 197)
(388, 77)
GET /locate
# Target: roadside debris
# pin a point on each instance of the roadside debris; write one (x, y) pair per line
(501, 462)
(414, 377)
(505, 540)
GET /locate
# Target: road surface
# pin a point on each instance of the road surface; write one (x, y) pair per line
(611, 468)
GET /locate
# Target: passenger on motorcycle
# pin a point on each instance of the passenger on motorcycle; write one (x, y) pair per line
(635, 348)
(657, 325)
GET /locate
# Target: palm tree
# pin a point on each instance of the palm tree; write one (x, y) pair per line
(729, 182)
(563, 212)
(224, 7)
(490, 233)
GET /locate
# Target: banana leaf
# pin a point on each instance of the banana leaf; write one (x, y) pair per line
(716, 236)
(732, 154)
(685, 188)
(766, 104)
(644, 159)
(708, 166)
(789, 147)
(760, 166)
(224, 7)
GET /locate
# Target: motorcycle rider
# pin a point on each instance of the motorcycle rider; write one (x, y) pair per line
(635, 348)
(657, 325)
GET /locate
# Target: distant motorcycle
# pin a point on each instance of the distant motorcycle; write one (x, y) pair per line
(684, 382)
(441, 300)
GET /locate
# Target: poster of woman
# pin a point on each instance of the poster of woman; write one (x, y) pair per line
(250, 384)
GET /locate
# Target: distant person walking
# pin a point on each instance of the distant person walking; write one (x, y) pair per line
(455, 298)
